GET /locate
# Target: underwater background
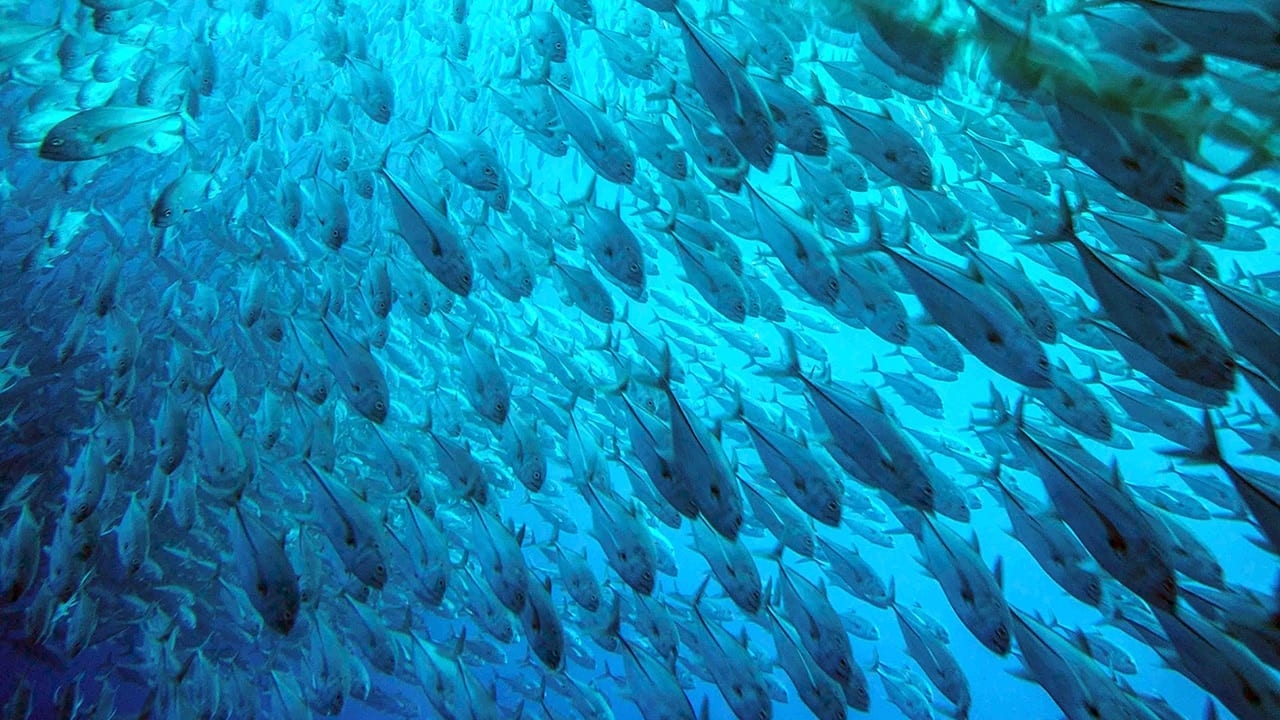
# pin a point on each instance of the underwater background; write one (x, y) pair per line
(640, 359)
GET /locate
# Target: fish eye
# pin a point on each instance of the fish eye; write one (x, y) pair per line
(56, 142)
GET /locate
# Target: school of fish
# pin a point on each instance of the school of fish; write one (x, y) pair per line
(660, 359)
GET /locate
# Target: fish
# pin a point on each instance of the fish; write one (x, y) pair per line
(498, 550)
(974, 592)
(353, 528)
(882, 142)
(798, 125)
(1150, 315)
(1075, 681)
(732, 566)
(430, 236)
(99, 132)
(730, 95)
(605, 149)
(265, 571)
(1108, 522)
(1053, 545)
(817, 690)
(357, 372)
(937, 661)
(803, 252)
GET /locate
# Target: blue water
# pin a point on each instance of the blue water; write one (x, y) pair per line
(109, 305)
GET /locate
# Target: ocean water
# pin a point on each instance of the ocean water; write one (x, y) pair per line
(567, 359)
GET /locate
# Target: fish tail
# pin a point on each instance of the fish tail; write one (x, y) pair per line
(205, 388)
(791, 360)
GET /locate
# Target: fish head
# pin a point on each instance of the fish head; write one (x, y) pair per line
(334, 233)
(554, 47)
(170, 457)
(1036, 180)
(828, 287)
(62, 144)
(619, 164)
(371, 399)
(163, 213)
(680, 166)
(279, 604)
(369, 567)
(380, 106)
(435, 586)
(815, 142)
(533, 473)
(735, 310)
(1000, 641)
(829, 510)
(500, 198)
